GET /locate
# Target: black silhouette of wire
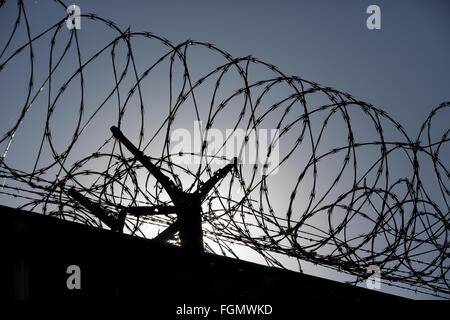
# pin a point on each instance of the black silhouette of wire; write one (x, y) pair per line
(406, 231)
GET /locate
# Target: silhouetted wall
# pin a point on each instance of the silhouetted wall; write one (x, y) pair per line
(39, 250)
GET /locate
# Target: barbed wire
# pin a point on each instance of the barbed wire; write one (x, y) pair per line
(343, 204)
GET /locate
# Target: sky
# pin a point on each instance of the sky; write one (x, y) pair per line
(402, 68)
